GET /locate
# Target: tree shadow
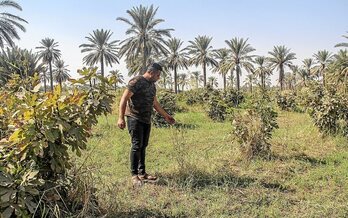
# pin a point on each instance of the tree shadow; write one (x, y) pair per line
(198, 180)
(301, 157)
(141, 213)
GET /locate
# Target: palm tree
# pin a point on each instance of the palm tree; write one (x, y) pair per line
(240, 58)
(61, 72)
(183, 81)
(177, 58)
(14, 60)
(231, 80)
(117, 76)
(221, 55)
(340, 67)
(44, 77)
(166, 79)
(304, 75)
(100, 49)
(144, 40)
(308, 65)
(196, 77)
(281, 57)
(250, 78)
(49, 53)
(212, 80)
(324, 58)
(9, 24)
(262, 69)
(343, 44)
(289, 80)
(202, 54)
(294, 69)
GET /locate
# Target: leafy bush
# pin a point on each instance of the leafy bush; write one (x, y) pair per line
(286, 100)
(194, 96)
(232, 97)
(217, 109)
(328, 109)
(253, 127)
(311, 97)
(37, 131)
(168, 102)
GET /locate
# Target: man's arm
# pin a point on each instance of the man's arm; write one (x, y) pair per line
(161, 111)
(123, 103)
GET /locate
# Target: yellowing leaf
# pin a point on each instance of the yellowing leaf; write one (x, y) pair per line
(16, 136)
(36, 88)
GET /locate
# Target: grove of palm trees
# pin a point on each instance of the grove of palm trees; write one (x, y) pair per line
(244, 143)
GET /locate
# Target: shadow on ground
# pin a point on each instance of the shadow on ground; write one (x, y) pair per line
(301, 157)
(142, 213)
(200, 180)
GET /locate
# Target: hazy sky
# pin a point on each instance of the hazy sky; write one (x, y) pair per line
(304, 26)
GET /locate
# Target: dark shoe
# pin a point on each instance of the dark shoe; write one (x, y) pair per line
(136, 181)
(147, 177)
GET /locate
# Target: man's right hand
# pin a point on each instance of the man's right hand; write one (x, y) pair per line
(121, 123)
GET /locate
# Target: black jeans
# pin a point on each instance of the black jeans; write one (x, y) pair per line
(140, 133)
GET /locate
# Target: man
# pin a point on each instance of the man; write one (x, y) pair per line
(137, 103)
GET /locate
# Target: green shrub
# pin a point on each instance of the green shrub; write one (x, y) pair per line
(286, 100)
(167, 100)
(217, 109)
(311, 97)
(328, 109)
(253, 127)
(194, 96)
(232, 97)
(37, 130)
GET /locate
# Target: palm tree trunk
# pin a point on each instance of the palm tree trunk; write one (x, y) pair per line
(144, 56)
(51, 74)
(263, 81)
(224, 80)
(175, 81)
(238, 80)
(45, 86)
(102, 65)
(232, 78)
(345, 84)
(164, 82)
(323, 76)
(204, 74)
(60, 83)
(115, 86)
(281, 76)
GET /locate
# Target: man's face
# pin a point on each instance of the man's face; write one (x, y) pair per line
(155, 76)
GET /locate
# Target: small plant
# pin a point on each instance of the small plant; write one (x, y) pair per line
(233, 97)
(286, 100)
(168, 102)
(217, 109)
(328, 109)
(253, 128)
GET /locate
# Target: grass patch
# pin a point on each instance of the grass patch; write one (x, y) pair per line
(202, 173)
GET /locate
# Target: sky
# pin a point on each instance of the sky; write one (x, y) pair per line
(304, 26)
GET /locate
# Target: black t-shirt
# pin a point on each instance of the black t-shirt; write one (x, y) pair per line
(140, 105)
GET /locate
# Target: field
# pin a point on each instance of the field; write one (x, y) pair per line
(202, 173)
